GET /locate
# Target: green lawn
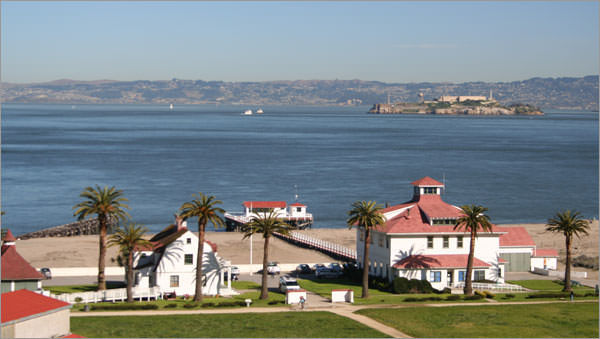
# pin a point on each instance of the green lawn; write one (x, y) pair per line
(545, 285)
(247, 325)
(558, 320)
(81, 288)
(323, 287)
(244, 285)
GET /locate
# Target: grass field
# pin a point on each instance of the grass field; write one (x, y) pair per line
(81, 288)
(248, 325)
(557, 320)
(546, 285)
(324, 287)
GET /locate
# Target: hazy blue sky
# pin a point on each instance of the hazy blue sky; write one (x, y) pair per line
(259, 41)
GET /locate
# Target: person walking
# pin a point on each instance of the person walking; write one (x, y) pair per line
(302, 301)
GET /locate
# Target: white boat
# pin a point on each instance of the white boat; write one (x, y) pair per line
(259, 111)
(171, 106)
(247, 112)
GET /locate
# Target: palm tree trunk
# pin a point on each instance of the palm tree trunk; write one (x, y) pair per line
(468, 290)
(365, 277)
(567, 287)
(199, 258)
(102, 254)
(264, 292)
(130, 276)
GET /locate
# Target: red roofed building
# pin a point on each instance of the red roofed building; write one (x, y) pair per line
(17, 273)
(294, 214)
(26, 314)
(169, 262)
(418, 241)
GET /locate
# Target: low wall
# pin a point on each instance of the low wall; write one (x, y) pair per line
(559, 274)
(342, 295)
(293, 296)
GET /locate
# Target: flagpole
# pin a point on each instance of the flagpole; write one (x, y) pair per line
(251, 242)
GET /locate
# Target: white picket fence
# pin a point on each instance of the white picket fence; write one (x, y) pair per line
(115, 294)
(494, 287)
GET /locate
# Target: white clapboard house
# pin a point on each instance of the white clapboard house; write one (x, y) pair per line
(169, 263)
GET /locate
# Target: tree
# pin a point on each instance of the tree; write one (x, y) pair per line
(127, 238)
(203, 207)
(473, 220)
(569, 224)
(107, 204)
(266, 223)
(366, 216)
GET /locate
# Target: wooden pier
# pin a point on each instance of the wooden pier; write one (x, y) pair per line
(326, 247)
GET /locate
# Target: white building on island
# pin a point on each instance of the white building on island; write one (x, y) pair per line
(418, 241)
(170, 263)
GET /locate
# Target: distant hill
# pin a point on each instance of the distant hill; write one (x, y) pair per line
(554, 93)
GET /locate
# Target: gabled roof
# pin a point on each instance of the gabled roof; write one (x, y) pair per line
(265, 204)
(418, 261)
(427, 181)
(15, 267)
(25, 303)
(9, 237)
(515, 237)
(545, 253)
(436, 208)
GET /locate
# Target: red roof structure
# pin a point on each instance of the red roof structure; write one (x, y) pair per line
(545, 252)
(9, 237)
(417, 261)
(25, 303)
(298, 204)
(515, 237)
(427, 181)
(14, 266)
(265, 204)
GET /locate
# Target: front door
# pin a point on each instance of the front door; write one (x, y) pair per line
(450, 277)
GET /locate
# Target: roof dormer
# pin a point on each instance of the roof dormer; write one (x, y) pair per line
(425, 186)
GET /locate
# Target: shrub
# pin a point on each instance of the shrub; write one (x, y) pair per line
(171, 305)
(414, 286)
(190, 305)
(78, 300)
(275, 302)
(426, 287)
(453, 297)
(411, 299)
(473, 297)
(400, 285)
(207, 304)
(552, 295)
(585, 261)
(489, 295)
(479, 293)
(231, 303)
(124, 306)
(508, 296)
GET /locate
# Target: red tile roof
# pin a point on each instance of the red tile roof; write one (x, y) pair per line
(9, 237)
(297, 204)
(15, 267)
(265, 204)
(24, 303)
(515, 237)
(436, 208)
(418, 261)
(427, 181)
(545, 252)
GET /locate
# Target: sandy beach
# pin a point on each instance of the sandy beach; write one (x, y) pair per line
(82, 251)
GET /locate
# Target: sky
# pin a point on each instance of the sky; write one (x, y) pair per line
(396, 42)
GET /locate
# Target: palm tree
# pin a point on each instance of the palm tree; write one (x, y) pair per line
(107, 204)
(203, 207)
(569, 224)
(127, 238)
(266, 223)
(472, 220)
(366, 216)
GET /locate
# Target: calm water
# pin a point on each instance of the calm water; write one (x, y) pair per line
(524, 169)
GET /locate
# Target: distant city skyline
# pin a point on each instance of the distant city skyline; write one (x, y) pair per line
(394, 42)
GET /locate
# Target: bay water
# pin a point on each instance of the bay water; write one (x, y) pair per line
(522, 168)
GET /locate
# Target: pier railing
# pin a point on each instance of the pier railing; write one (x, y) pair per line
(329, 248)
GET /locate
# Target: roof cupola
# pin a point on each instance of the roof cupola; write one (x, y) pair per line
(426, 186)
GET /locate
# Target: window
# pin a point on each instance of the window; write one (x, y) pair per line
(435, 276)
(174, 279)
(298, 209)
(189, 259)
(479, 275)
(446, 241)
(188, 240)
(499, 272)
(459, 241)
(429, 242)
(430, 190)
(461, 275)
(381, 239)
(387, 242)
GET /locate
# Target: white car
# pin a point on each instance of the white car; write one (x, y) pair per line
(288, 283)
(272, 268)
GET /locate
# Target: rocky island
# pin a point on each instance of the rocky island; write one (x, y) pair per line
(456, 105)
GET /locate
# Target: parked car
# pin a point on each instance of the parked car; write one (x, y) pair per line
(45, 271)
(288, 283)
(273, 268)
(325, 272)
(303, 269)
(317, 266)
(350, 266)
(335, 267)
(235, 273)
